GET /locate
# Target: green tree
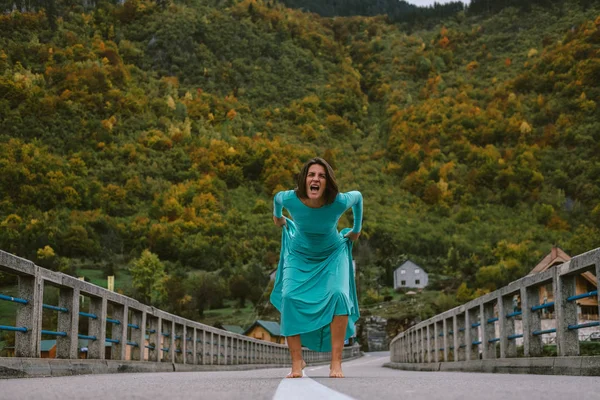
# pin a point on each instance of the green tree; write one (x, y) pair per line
(239, 287)
(207, 290)
(148, 278)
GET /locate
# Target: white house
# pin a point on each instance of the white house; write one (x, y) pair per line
(410, 275)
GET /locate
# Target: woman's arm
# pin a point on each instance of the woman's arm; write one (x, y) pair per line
(355, 200)
(278, 217)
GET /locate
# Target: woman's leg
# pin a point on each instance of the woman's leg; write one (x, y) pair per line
(295, 347)
(338, 333)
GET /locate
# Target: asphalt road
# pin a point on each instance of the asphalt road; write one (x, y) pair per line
(366, 379)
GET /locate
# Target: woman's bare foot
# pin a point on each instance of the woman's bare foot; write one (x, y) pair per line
(296, 372)
(335, 370)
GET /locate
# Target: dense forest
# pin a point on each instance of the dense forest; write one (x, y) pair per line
(150, 137)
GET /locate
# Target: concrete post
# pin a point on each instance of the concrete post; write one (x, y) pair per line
(138, 318)
(172, 345)
(97, 328)
(471, 334)
(508, 347)
(488, 331)
(460, 345)
(415, 345)
(244, 352)
(67, 346)
(428, 331)
(436, 342)
(418, 346)
(213, 356)
(204, 348)
(455, 343)
(423, 344)
(411, 355)
(194, 346)
(119, 332)
(31, 288)
(178, 344)
(532, 345)
(154, 338)
(220, 347)
(445, 341)
(566, 314)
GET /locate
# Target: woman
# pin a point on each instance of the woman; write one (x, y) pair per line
(314, 288)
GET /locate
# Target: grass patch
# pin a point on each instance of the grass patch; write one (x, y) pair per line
(8, 309)
(96, 276)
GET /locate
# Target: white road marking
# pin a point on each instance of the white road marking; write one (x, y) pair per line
(306, 388)
(362, 362)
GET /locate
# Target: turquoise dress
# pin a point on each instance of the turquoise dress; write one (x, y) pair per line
(315, 276)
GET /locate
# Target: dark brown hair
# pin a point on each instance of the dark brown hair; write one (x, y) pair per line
(331, 188)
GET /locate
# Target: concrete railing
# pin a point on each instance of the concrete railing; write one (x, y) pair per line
(141, 338)
(465, 338)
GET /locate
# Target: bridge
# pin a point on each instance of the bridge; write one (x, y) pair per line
(436, 358)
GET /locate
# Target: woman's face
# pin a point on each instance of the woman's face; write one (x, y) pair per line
(316, 180)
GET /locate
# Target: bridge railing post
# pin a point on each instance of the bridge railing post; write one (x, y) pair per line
(154, 338)
(436, 341)
(532, 344)
(178, 343)
(31, 288)
(138, 335)
(204, 348)
(445, 342)
(508, 346)
(428, 331)
(454, 344)
(119, 331)
(472, 333)
(97, 328)
(566, 314)
(190, 344)
(68, 322)
(488, 331)
(460, 345)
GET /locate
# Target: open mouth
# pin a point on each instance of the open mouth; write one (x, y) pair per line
(314, 188)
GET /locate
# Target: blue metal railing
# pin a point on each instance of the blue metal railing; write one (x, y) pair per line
(546, 331)
(52, 333)
(88, 337)
(583, 296)
(542, 306)
(13, 328)
(89, 315)
(586, 325)
(515, 336)
(55, 308)
(13, 299)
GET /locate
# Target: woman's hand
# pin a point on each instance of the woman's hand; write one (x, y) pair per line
(353, 235)
(279, 221)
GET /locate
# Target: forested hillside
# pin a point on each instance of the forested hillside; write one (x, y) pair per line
(150, 137)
